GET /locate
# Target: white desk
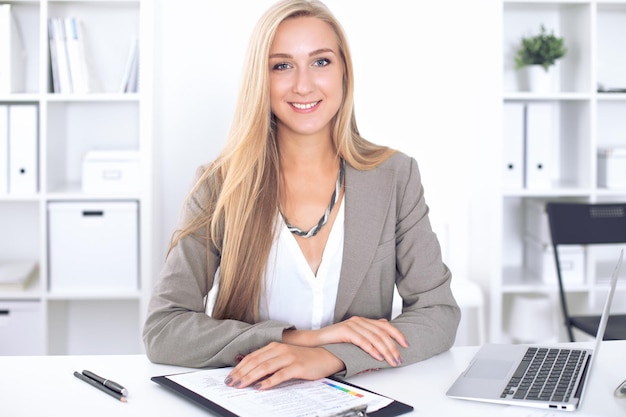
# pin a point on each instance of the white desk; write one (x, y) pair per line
(45, 386)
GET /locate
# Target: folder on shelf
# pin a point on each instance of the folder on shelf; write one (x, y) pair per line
(4, 149)
(76, 56)
(12, 55)
(54, 65)
(513, 145)
(23, 155)
(59, 63)
(540, 138)
(131, 71)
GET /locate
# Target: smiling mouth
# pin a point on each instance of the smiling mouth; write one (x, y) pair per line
(305, 106)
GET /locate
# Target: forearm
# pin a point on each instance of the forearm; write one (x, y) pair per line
(428, 332)
(178, 331)
(304, 338)
(197, 340)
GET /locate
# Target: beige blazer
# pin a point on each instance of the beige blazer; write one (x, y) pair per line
(388, 241)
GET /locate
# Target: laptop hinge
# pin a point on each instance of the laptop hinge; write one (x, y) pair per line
(583, 378)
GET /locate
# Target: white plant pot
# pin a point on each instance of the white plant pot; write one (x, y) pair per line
(538, 80)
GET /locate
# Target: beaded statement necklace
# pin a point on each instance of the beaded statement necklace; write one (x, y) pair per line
(333, 199)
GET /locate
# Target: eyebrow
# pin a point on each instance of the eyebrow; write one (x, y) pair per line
(316, 52)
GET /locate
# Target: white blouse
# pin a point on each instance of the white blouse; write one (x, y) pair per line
(293, 293)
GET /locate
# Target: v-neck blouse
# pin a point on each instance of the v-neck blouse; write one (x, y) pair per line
(292, 292)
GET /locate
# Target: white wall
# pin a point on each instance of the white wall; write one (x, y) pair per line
(428, 82)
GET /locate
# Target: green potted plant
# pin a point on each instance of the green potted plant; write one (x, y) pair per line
(537, 54)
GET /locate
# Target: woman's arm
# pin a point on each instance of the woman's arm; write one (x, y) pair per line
(377, 337)
(177, 330)
(430, 315)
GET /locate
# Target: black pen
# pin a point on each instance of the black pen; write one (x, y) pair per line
(106, 382)
(101, 387)
(620, 391)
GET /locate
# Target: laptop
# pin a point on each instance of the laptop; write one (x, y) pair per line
(512, 374)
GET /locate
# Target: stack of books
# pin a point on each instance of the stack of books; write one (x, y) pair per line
(67, 56)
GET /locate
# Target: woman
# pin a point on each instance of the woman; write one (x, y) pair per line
(301, 296)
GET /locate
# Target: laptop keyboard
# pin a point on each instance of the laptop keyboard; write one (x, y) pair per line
(546, 375)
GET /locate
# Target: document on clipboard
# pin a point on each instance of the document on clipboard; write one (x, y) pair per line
(326, 397)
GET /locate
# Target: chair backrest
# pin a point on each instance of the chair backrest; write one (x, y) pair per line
(582, 224)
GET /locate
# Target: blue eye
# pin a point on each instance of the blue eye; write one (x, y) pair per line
(281, 67)
(321, 62)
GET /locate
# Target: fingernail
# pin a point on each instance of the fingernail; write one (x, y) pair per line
(236, 384)
(398, 361)
(228, 380)
(257, 385)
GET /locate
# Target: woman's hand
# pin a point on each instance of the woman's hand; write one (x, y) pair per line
(279, 362)
(377, 337)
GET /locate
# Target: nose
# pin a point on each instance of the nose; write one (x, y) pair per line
(303, 84)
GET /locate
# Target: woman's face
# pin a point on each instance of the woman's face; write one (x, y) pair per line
(306, 77)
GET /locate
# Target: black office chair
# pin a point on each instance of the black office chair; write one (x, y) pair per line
(587, 224)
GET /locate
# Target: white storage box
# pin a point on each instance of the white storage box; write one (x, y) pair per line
(539, 259)
(93, 246)
(22, 328)
(612, 168)
(111, 172)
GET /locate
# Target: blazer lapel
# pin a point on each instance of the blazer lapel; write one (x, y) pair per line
(367, 200)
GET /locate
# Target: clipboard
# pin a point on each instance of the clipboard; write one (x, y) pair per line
(395, 408)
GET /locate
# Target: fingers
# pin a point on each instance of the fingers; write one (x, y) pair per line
(259, 365)
(376, 341)
(278, 362)
(377, 338)
(392, 331)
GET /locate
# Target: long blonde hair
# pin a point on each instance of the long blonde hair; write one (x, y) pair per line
(241, 206)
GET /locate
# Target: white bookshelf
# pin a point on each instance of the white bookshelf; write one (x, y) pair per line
(584, 121)
(85, 321)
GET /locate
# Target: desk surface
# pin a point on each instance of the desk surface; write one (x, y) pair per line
(45, 385)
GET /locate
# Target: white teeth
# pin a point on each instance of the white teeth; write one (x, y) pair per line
(304, 106)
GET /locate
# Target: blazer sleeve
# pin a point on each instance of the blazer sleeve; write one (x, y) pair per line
(177, 329)
(430, 314)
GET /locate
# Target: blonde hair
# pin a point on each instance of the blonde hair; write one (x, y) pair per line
(241, 206)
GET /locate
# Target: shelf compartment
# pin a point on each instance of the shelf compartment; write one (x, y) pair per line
(611, 54)
(26, 16)
(77, 127)
(20, 226)
(570, 20)
(611, 124)
(108, 30)
(562, 131)
(15, 316)
(94, 247)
